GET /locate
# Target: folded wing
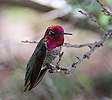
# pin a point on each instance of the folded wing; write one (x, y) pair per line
(34, 74)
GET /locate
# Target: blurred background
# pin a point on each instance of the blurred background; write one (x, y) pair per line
(27, 20)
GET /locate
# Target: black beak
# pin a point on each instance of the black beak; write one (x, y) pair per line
(67, 34)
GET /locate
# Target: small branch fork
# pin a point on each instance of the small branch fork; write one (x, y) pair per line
(86, 55)
(93, 46)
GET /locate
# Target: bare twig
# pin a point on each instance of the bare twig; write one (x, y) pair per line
(77, 57)
(92, 19)
(106, 12)
(65, 44)
(60, 56)
(26, 41)
(77, 46)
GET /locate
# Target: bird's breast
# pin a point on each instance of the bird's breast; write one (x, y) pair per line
(52, 54)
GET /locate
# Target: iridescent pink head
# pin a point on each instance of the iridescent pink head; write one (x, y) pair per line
(55, 36)
(54, 29)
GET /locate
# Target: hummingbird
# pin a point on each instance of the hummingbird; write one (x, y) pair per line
(48, 48)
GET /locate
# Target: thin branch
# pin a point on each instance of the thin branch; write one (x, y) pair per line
(106, 12)
(77, 46)
(65, 44)
(26, 41)
(92, 19)
(60, 56)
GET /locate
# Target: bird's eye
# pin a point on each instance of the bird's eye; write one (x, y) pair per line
(52, 33)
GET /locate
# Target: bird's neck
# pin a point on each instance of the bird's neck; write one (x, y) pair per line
(54, 41)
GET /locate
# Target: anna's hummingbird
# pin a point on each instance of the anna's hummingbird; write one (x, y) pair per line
(46, 51)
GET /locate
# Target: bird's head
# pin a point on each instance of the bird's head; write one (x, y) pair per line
(55, 36)
(55, 30)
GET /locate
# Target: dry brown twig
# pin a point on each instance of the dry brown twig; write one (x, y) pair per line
(106, 12)
(92, 19)
(77, 46)
(27, 41)
(65, 44)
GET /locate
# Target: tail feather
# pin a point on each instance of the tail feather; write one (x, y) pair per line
(28, 84)
(25, 88)
(43, 72)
